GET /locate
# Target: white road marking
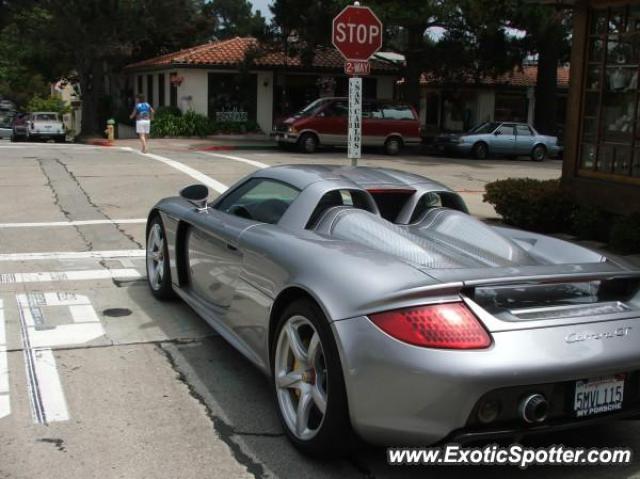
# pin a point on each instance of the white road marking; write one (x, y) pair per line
(54, 404)
(48, 402)
(257, 164)
(5, 401)
(108, 254)
(44, 277)
(201, 177)
(73, 223)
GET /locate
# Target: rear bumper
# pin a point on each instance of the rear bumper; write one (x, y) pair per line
(406, 395)
(462, 149)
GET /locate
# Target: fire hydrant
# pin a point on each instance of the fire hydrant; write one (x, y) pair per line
(110, 131)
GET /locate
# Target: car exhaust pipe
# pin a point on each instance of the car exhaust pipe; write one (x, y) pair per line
(534, 408)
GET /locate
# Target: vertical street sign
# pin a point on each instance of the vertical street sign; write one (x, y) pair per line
(355, 120)
(357, 34)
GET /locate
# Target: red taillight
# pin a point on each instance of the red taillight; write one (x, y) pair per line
(446, 326)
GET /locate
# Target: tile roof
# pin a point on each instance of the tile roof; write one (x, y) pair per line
(232, 52)
(526, 76)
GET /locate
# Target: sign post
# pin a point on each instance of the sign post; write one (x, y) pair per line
(355, 120)
(357, 34)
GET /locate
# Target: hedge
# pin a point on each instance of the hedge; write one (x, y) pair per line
(546, 207)
(171, 122)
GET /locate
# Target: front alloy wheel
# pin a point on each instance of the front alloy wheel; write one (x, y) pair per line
(158, 274)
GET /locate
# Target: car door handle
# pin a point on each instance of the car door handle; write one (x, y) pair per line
(230, 247)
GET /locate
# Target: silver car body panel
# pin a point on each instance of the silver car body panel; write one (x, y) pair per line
(232, 271)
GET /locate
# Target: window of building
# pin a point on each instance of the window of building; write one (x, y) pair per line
(511, 107)
(161, 90)
(232, 97)
(610, 131)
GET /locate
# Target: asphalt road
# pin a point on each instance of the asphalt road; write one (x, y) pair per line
(98, 379)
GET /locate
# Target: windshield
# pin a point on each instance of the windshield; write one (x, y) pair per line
(484, 128)
(314, 107)
(45, 117)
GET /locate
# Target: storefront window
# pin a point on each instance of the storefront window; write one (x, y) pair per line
(610, 127)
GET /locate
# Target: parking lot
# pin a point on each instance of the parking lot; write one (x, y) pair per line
(97, 378)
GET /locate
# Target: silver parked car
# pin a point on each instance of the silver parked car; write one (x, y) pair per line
(6, 121)
(375, 303)
(500, 139)
(46, 126)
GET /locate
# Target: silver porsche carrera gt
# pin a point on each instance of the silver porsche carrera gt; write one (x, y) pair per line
(377, 305)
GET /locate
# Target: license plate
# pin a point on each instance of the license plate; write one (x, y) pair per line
(47, 127)
(599, 395)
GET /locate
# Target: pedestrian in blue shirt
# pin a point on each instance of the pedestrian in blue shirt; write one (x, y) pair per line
(143, 113)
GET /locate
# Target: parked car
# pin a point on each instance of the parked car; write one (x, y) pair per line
(391, 125)
(20, 127)
(6, 119)
(374, 302)
(46, 126)
(500, 139)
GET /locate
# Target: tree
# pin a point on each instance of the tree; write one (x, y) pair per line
(234, 18)
(95, 38)
(548, 32)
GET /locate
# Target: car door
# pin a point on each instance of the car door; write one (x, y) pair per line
(331, 123)
(504, 139)
(214, 247)
(214, 258)
(524, 140)
(373, 129)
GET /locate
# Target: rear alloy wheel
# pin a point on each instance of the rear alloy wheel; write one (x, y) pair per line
(393, 146)
(308, 143)
(539, 153)
(308, 383)
(480, 151)
(158, 273)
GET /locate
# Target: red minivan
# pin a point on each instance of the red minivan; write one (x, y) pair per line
(389, 124)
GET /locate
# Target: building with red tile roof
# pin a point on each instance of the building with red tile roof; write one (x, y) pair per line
(207, 78)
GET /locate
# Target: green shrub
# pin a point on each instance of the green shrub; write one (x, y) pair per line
(589, 222)
(625, 234)
(189, 124)
(538, 205)
(168, 110)
(51, 103)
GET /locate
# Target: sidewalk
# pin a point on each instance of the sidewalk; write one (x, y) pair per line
(249, 141)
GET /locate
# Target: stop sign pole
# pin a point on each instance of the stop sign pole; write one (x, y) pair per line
(357, 34)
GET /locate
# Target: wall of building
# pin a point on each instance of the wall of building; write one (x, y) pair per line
(385, 87)
(193, 92)
(264, 110)
(486, 106)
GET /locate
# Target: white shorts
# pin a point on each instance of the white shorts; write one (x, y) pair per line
(143, 126)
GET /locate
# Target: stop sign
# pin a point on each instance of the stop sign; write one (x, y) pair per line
(357, 33)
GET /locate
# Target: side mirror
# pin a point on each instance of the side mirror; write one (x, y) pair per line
(497, 133)
(197, 195)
